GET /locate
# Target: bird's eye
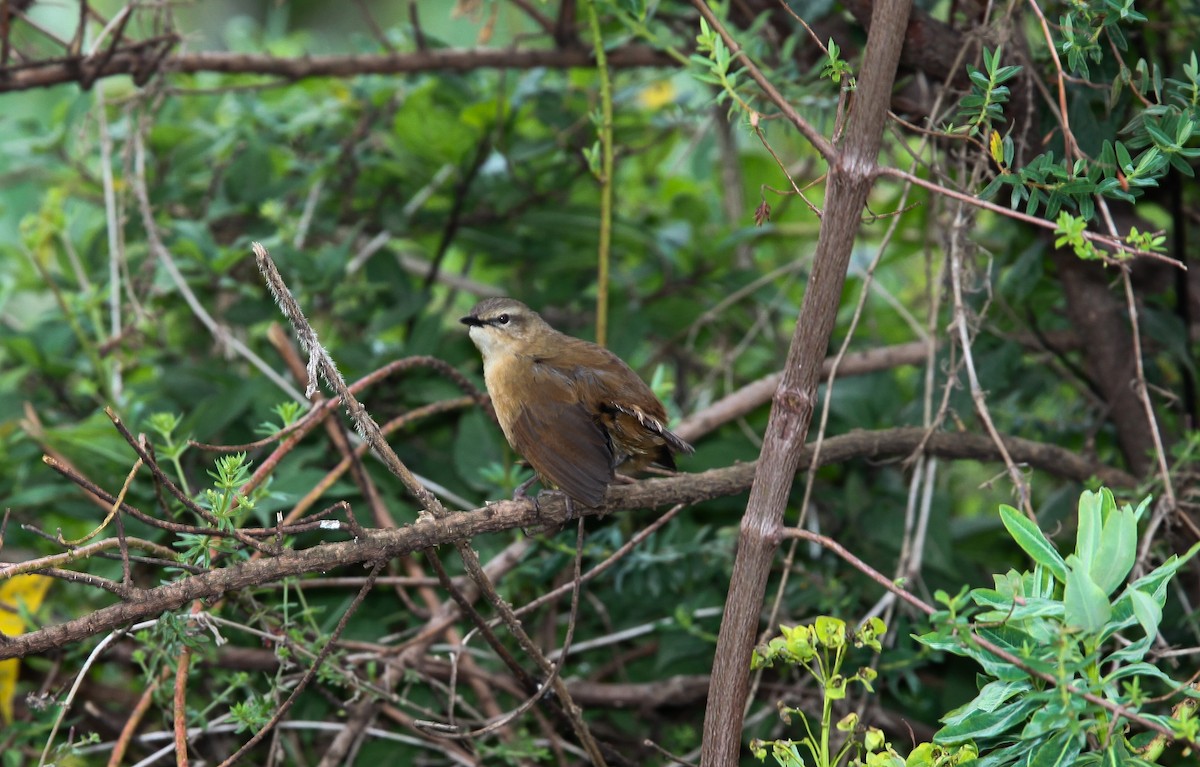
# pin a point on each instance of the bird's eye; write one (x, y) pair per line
(502, 319)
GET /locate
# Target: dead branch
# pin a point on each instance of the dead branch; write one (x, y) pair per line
(145, 59)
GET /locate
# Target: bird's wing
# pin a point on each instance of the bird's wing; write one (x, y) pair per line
(566, 447)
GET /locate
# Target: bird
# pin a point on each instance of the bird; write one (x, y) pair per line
(571, 408)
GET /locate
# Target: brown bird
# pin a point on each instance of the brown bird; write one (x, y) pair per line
(574, 410)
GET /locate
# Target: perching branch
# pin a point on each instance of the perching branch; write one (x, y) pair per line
(372, 545)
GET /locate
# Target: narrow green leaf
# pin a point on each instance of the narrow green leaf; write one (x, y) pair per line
(1030, 538)
(991, 189)
(1139, 669)
(1157, 134)
(1123, 158)
(1147, 611)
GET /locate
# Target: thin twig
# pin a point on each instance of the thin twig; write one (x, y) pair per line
(311, 672)
(814, 137)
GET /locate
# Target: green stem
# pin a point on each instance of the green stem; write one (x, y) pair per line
(606, 176)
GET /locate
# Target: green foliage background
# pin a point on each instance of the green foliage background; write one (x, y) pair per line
(483, 175)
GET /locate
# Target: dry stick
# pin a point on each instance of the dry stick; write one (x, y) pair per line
(852, 169)
(319, 361)
(149, 56)
(159, 250)
(179, 701)
(129, 729)
(321, 366)
(977, 395)
(885, 582)
(758, 393)
(311, 673)
(362, 715)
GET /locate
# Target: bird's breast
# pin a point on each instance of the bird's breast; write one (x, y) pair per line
(510, 382)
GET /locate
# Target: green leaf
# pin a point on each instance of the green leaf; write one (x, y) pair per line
(1059, 751)
(984, 724)
(1156, 133)
(1030, 538)
(1140, 668)
(1118, 547)
(1087, 605)
(1147, 610)
(990, 698)
(830, 631)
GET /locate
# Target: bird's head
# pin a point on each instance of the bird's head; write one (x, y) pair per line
(505, 326)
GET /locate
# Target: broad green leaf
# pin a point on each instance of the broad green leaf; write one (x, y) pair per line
(995, 693)
(1059, 751)
(1087, 606)
(1030, 538)
(984, 724)
(1118, 549)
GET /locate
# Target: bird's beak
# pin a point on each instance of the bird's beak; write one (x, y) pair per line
(473, 321)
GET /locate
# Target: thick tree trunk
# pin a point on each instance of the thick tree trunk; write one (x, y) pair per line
(850, 177)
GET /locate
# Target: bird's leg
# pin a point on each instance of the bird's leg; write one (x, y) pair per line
(520, 495)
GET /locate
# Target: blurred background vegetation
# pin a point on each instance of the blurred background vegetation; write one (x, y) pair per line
(392, 203)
